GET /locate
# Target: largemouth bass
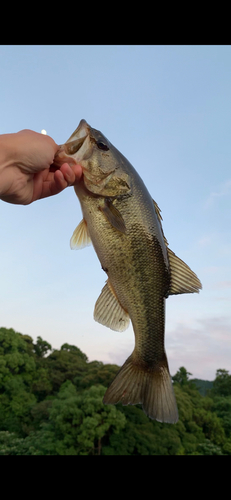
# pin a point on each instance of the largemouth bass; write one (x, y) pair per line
(124, 224)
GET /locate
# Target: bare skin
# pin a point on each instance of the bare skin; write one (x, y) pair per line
(27, 173)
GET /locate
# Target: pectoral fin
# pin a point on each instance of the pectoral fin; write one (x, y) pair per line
(183, 279)
(109, 312)
(114, 216)
(80, 237)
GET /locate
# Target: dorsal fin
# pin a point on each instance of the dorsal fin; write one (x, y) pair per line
(158, 210)
(183, 279)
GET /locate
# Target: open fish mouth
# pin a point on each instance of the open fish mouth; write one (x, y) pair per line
(75, 148)
(76, 140)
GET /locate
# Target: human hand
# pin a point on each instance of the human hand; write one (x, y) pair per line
(26, 172)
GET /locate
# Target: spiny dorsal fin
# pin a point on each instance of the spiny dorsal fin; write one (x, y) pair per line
(109, 312)
(158, 210)
(183, 279)
(80, 237)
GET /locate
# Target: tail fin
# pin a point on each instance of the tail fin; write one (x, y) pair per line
(153, 388)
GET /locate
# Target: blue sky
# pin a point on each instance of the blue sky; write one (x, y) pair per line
(168, 110)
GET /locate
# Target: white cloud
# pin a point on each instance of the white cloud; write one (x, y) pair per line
(201, 349)
(223, 190)
(221, 285)
(205, 241)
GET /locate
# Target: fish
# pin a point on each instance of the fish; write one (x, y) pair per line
(124, 224)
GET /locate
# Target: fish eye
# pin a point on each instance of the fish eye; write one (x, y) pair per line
(103, 146)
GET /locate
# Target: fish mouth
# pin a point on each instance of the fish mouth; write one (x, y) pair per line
(75, 148)
(76, 140)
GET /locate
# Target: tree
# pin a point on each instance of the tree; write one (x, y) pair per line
(203, 386)
(211, 425)
(15, 405)
(182, 376)
(208, 448)
(17, 368)
(96, 373)
(222, 407)
(77, 423)
(14, 357)
(221, 384)
(99, 421)
(65, 364)
(74, 350)
(51, 404)
(41, 347)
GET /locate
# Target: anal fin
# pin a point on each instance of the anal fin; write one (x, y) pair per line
(109, 312)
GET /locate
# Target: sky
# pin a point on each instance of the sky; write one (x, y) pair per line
(168, 110)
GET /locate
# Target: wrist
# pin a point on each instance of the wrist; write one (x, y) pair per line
(8, 157)
(8, 152)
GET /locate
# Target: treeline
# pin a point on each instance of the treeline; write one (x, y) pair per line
(51, 404)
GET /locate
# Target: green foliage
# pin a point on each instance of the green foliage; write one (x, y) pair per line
(76, 425)
(221, 384)
(16, 374)
(41, 347)
(208, 448)
(182, 376)
(51, 404)
(96, 373)
(203, 386)
(142, 436)
(222, 407)
(66, 364)
(75, 350)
